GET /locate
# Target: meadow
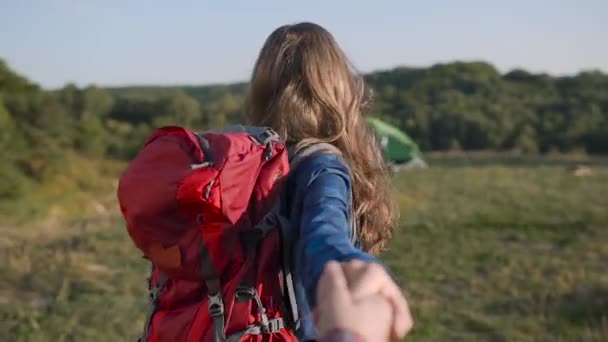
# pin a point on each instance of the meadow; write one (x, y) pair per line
(487, 249)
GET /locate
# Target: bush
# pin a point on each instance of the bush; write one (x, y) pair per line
(91, 137)
(43, 159)
(12, 182)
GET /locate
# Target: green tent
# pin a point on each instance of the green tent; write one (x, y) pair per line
(397, 146)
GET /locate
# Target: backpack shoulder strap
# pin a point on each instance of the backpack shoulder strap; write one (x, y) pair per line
(296, 156)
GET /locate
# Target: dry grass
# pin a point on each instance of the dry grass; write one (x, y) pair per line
(486, 252)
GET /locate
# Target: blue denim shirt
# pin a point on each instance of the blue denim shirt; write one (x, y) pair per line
(318, 203)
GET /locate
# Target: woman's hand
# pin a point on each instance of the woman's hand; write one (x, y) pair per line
(367, 279)
(369, 317)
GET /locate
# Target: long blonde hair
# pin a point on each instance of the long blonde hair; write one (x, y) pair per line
(304, 87)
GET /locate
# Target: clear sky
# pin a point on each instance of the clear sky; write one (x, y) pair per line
(120, 42)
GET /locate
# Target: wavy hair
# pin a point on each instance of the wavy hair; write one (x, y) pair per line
(305, 88)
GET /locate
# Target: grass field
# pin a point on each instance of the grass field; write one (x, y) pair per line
(487, 250)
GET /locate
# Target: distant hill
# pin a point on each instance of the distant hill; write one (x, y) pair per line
(455, 106)
(202, 93)
(461, 105)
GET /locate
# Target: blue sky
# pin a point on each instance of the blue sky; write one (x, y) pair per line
(112, 42)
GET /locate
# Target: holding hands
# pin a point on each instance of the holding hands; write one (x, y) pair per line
(361, 299)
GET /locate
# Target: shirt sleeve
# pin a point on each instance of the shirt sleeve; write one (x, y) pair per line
(324, 230)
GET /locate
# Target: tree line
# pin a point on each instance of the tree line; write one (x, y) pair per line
(468, 106)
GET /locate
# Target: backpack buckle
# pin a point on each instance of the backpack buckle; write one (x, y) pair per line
(154, 294)
(216, 305)
(267, 136)
(244, 293)
(264, 136)
(275, 324)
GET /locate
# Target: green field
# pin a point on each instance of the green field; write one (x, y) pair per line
(488, 250)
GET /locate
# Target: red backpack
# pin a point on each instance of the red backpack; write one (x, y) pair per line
(205, 209)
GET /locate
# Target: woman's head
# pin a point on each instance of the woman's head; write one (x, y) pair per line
(304, 87)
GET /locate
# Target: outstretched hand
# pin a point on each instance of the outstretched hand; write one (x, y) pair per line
(368, 279)
(355, 297)
(369, 318)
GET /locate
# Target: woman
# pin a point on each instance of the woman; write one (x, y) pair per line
(304, 87)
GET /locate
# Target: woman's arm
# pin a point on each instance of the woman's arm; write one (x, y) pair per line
(323, 184)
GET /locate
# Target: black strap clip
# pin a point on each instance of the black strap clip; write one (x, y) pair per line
(267, 136)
